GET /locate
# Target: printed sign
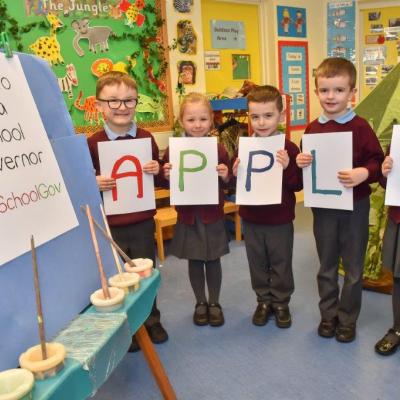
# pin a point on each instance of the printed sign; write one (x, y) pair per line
(227, 34)
(259, 180)
(123, 160)
(392, 197)
(32, 189)
(321, 184)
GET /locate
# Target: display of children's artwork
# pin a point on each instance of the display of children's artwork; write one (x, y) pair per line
(259, 180)
(32, 188)
(123, 160)
(241, 66)
(183, 6)
(83, 39)
(193, 178)
(392, 197)
(321, 184)
(187, 37)
(291, 21)
(187, 72)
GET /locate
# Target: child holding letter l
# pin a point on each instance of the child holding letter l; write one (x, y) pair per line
(268, 229)
(342, 233)
(200, 234)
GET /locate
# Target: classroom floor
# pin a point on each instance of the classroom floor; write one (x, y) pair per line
(240, 361)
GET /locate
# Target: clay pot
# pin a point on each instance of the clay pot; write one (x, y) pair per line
(32, 360)
(16, 384)
(143, 267)
(128, 281)
(106, 305)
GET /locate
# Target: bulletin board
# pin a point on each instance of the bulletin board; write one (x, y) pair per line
(380, 47)
(82, 39)
(293, 80)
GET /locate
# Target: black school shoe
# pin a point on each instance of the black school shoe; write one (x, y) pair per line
(345, 333)
(262, 313)
(134, 347)
(389, 343)
(283, 319)
(215, 315)
(327, 328)
(157, 333)
(200, 316)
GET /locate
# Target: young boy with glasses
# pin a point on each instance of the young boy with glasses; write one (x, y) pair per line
(116, 99)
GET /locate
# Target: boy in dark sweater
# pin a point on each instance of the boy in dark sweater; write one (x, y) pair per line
(341, 233)
(116, 98)
(268, 229)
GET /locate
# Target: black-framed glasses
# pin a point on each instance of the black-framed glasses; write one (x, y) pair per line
(115, 104)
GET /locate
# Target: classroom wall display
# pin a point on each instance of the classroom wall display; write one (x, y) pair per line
(341, 29)
(292, 21)
(227, 34)
(187, 72)
(186, 37)
(183, 6)
(83, 39)
(241, 66)
(293, 80)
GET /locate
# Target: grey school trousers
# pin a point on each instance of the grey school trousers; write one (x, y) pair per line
(341, 233)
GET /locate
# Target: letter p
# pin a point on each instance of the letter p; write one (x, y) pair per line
(250, 168)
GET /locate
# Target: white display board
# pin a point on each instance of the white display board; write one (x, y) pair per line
(194, 177)
(259, 180)
(332, 152)
(392, 197)
(124, 161)
(33, 196)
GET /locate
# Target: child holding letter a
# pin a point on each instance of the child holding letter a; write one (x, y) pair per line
(341, 233)
(200, 235)
(268, 229)
(116, 98)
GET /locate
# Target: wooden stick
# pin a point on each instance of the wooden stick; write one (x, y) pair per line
(103, 279)
(116, 259)
(42, 335)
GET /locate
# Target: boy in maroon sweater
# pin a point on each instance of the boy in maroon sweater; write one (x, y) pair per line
(340, 233)
(268, 229)
(116, 98)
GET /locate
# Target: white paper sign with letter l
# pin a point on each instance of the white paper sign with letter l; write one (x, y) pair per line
(332, 152)
(123, 160)
(33, 196)
(259, 180)
(193, 177)
(392, 197)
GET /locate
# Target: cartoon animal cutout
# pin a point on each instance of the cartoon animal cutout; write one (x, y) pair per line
(97, 36)
(70, 79)
(115, 12)
(47, 47)
(92, 115)
(187, 38)
(132, 12)
(183, 6)
(147, 104)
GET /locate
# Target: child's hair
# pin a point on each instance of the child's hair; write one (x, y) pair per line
(266, 94)
(195, 98)
(336, 66)
(112, 78)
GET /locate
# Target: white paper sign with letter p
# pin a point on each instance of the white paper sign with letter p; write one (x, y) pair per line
(193, 177)
(259, 180)
(332, 152)
(123, 160)
(392, 197)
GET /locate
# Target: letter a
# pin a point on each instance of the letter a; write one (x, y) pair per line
(314, 179)
(138, 173)
(250, 168)
(182, 168)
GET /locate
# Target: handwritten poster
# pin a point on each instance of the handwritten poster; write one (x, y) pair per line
(392, 197)
(33, 196)
(193, 178)
(259, 180)
(332, 152)
(124, 160)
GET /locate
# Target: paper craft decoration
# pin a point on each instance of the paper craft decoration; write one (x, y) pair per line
(32, 187)
(187, 72)
(291, 21)
(194, 178)
(332, 152)
(183, 6)
(392, 197)
(259, 180)
(187, 37)
(70, 79)
(123, 160)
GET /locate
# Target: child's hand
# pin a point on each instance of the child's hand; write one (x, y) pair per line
(303, 160)
(353, 177)
(167, 170)
(387, 166)
(283, 158)
(152, 167)
(235, 167)
(105, 183)
(223, 172)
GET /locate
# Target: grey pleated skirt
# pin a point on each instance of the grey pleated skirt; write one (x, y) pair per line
(391, 248)
(200, 241)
